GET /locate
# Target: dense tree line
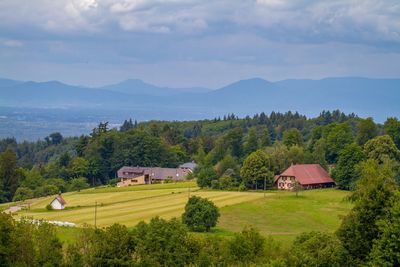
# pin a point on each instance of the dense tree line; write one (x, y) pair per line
(229, 151)
(368, 236)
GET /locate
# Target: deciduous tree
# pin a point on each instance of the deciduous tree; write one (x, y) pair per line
(256, 167)
(345, 173)
(200, 214)
(293, 137)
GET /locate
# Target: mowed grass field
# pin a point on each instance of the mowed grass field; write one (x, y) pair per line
(279, 214)
(131, 205)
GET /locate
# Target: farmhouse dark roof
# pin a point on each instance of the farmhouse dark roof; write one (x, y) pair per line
(153, 172)
(307, 174)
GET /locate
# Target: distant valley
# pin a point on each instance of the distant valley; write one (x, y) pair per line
(32, 110)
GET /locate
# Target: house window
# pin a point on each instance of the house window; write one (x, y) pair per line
(284, 178)
(289, 185)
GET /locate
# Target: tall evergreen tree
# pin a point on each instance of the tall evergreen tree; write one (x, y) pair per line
(251, 144)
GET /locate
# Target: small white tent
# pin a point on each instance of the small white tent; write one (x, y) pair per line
(58, 203)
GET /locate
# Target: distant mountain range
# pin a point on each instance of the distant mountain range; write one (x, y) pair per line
(379, 98)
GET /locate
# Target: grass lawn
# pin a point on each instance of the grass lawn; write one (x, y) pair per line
(129, 207)
(281, 215)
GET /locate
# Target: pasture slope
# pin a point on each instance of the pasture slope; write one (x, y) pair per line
(280, 214)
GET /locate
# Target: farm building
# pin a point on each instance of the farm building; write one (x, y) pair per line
(150, 175)
(307, 175)
(58, 203)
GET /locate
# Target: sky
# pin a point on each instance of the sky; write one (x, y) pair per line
(197, 43)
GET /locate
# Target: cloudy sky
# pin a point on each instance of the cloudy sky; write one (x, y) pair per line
(197, 42)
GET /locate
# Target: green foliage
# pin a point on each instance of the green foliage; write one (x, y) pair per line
(48, 246)
(256, 167)
(226, 181)
(382, 148)
(319, 153)
(126, 126)
(98, 156)
(227, 163)
(200, 214)
(296, 154)
(247, 246)
(336, 136)
(161, 243)
(26, 244)
(102, 128)
(367, 130)
(297, 187)
(23, 244)
(113, 247)
(265, 138)
(316, 249)
(345, 173)
(251, 143)
(386, 248)
(6, 230)
(79, 167)
(64, 160)
(23, 193)
(46, 190)
(208, 250)
(205, 176)
(392, 128)
(293, 137)
(375, 193)
(49, 207)
(55, 138)
(78, 184)
(279, 157)
(9, 176)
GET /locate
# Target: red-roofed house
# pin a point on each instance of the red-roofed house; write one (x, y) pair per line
(308, 175)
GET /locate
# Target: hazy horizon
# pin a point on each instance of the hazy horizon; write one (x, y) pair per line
(183, 43)
(195, 86)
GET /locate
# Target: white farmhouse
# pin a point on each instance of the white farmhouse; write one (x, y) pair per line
(58, 203)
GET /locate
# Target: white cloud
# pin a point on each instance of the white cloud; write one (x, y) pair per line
(190, 42)
(368, 20)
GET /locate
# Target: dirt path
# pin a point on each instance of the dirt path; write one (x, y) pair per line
(12, 209)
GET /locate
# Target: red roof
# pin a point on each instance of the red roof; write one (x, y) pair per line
(307, 174)
(61, 200)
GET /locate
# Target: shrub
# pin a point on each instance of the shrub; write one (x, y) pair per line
(247, 246)
(318, 249)
(23, 193)
(161, 243)
(200, 214)
(49, 207)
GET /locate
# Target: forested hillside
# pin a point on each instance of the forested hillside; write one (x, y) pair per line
(223, 147)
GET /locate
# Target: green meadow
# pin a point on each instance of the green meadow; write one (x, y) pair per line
(279, 214)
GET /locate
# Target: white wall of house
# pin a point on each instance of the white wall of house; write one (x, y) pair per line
(57, 205)
(286, 182)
